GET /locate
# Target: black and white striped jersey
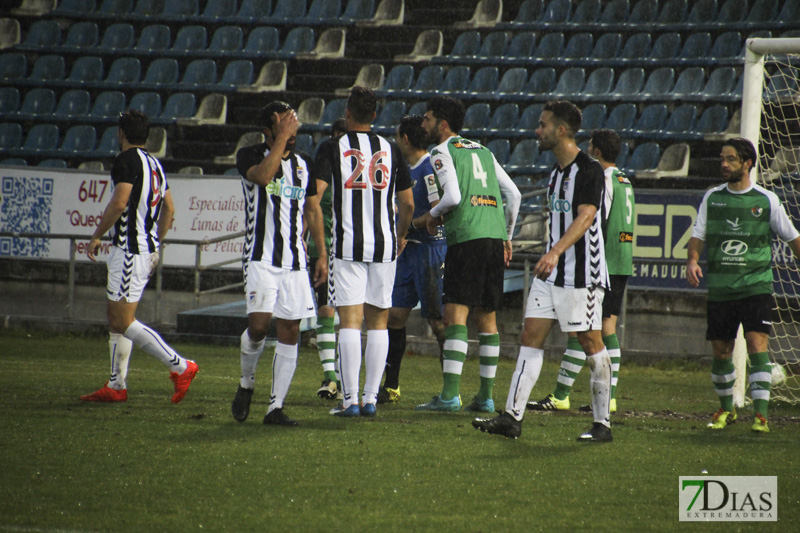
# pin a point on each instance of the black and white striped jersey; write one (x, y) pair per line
(136, 230)
(274, 214)
(581, 182)
(364, 170)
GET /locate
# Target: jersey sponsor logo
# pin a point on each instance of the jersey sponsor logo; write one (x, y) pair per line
(431, 180)
(281, 187)
(735, 224)
(756, 211)
(479, 200)
(559, 206)
(469, 145)
(625, 236)
(733, 249)
(438, 164)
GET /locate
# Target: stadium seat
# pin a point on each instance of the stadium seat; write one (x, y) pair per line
(86, 70)
(148, 8)
(148, 103)
(190, 40)
(310, 111)
(790, 11)
(643, 12)
(322, 11)
(357, 10)
(557, 11)
(124, 71)
(191, 169)
(162, 71)
(545, 161)
(521, 46)
(484, 84)
(644, 156)
(504, 119)
(389, 117)
(523, 157)
(615, 12)
(288, 11)
(579, 46)
(428, 45)
(42, 34)
(586, 12)
(178, 105)
(74, 7)
(271, 78)
(12, 161)
(494, 46)
(78, 140)
(198, 74)
(720, 82)
(418, 109)
(530, 11)
(262, 40)
(550, 46)
(456, 80)
(304, 143)
(696, 46)
(41, 138)
(52, 163)
(10, 33)
(251, 10)
(512, 81)
(118, 37)
(333, 110)
(247, 139)
(629, 83)
(781, 89)
(727, 45)
(156, 144)
(237, 73)
(299, 40)
(681, 122)
(673, 163)
(108, 105)
(690, 83)
(180, 9)
(487, 14)
(10, 136)
(428, 80)
(731, 12)
(9, 100)
(370, 76)
(529, 120)
(399, 78)
(37, 103)
(476, 118)
(213, 110)
(48, 68)
(501, 149)
(666, 46)
(659, 82)
(599, 83)
(713, 121)
(331, 44)
(622, 117)
(607, 47)
(389, 13)
(702, 12)
(108, 145)
(72, 104)
(652, 119)
(542, 81)
(153, 38)
(673, 12)
(82, 35)
(226, 39)
(594, 116)
(467, 45)
(570, 83)
(637, 46)
(115, 8)
(219, 9)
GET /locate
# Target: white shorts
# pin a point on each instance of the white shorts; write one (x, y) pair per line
(284, 293)
(575, 309)
(128, 274)
(353, 283)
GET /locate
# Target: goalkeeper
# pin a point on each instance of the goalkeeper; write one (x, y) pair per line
(618, 210)
(738, 220)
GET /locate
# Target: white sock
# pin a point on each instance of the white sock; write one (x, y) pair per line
(529, 364)
(120, 350)
(375, 360)
(249, 353)
(350, 364)
(283, 365)
(600, 385)
(152, 343)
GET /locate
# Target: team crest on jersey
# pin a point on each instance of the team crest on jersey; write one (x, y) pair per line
(438, 164)
(757, 211)
(431, 180)
(565, 186)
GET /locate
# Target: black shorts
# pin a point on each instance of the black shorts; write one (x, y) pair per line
(754, 313)
(321, 292)
(612, 301)
(473, 274)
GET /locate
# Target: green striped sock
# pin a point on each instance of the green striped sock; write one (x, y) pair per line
(612, 345)
(326, 345)
(455, 351)
(489, 354)
(571, 364)
(760, 377)
(723, 375)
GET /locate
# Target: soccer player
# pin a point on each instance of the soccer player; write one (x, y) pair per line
(738, 220)
(367, 176)
(478, 232)
(326, 334)
(618, 211)
(138, 215)
(421, 266)
(280, 197)
(570, 277)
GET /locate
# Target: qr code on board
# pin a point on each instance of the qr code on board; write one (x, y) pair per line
(25, 207)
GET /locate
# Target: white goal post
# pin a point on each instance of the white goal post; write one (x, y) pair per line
(771, 120)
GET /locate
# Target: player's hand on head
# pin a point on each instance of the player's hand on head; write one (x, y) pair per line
(288, 123)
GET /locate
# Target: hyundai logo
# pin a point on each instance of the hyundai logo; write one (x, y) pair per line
(733, 247)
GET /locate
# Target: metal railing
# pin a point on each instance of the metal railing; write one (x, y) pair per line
(198, 267)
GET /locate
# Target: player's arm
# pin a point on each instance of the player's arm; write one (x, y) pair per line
(433, 200)
(405, 210)
(513, 200)
(116, 206)
(693, 270)
(312, 214)
(451, 194)
(576, 230)
(165, 217)
(263, 173)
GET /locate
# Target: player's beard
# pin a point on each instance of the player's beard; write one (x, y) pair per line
(735, 177)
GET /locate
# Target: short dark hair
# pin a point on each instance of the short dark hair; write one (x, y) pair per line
(744, 149)
(270, 109)
(608, 142)
(449, 109)
(339, 127)
(362, 104)
(566, 113)
(135, 126)
(411, 125)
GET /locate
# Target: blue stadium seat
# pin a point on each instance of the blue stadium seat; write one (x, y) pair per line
(557, 11)
(624, 154)
(485, 82)
(681, 122)
(52, 163)
(570, 83)
(594, 116)
(86, 70)
(357, 10)
(621, 117)
(781, 89)
(237, 73)
(542, 81)
(48, 68)
(652, 119)
(78, 140)
(643, 12)
(148, 103)
(74, 7)
(586, 12)
(636, 47)
(713, 120)
(162, 71)
(41, 138)
(579, 46)
(148, 8)
(659, 82)
(529, 120)
(790, 11)
(108, 105)
(607, 47)
(399, 79)
(504, 119)
(690, 83)
(456, 80)
(523, 157)
(108, 145)
(428, 80)
(288, 11)
(254, 10)
(72, 104)
(696, 46)
(476, 119)
(12, 161)
(82, 35)
(115, 8)
(118, 37)
(494, 46)
(666, 46)
(731, 12)
(322, 11)
(673, 12)
(219, 10)
(467, 45)
(10, 136)
(615, 12)
(389, 117)
(720, 82)
(702, 12)
(530, 11)
(37, 103)
(418, 109)
(124, 71)
(13, 66)
(178, 105)
(299, 40)
(600, 82)
(512, 81)
(644, 156)
(190, 40)
(198, 74)
(521, 46)
(333, 110)
(629, 84)
(9, 100)
(501, 149)
(180, 9)
(153, 38)
(262, 40)
(550, 46)
(546, 161)
(727, 45)
(226, 39)
(42, 34)
(304, 143)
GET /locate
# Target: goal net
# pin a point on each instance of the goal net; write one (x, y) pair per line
(771, 119)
